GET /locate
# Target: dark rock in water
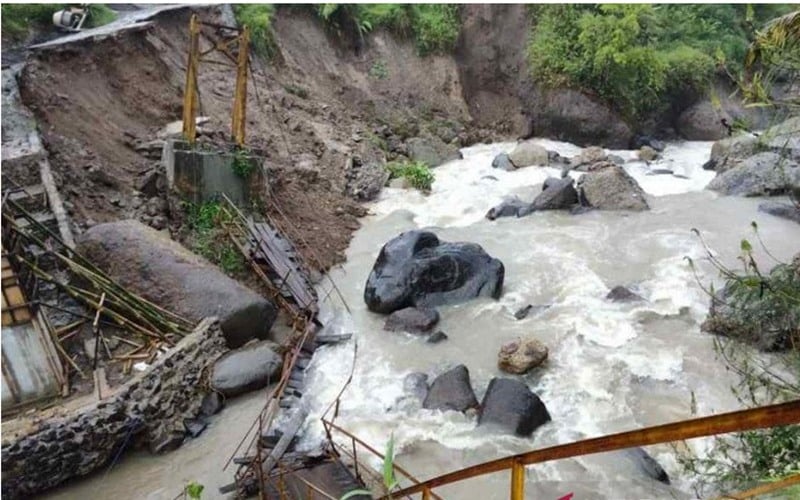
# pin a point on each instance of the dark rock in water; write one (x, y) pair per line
(645, 140)
(763, 174)
(522, 313)
(556, 194)
(791, 212)
(648, 464)
(489, 178)
(660, 171)
(246, 369)
(167, 440)
(554, 158)
(622, 294)
(212, 404)
(580, 209)
(710, 164)
(194, 426)
(451, 390)
(437, 337)
(412, 320)
(416, 269)
(510, 207)
(416, 384)
(503, 161)
(510, 405)
(611, 188)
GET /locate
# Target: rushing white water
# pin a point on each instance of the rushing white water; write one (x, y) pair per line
(612, 367)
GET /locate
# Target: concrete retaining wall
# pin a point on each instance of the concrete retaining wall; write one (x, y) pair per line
(149, 410)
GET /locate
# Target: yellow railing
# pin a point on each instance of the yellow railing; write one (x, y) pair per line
(738, 421)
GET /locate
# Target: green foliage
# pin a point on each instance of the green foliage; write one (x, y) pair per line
(639, 57)
(194, 490)
(389, 479)
(99, 15)
(418, 173)
(18, 18)
(378, 70)
(207, 236)
(760, 304)
(434, 27)
(258, 17)
(297, 90)
(243, 164)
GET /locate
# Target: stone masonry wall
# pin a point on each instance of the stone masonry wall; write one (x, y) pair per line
(149, 410)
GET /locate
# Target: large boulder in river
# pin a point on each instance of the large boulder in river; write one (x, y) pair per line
(451, 390)
(412, 320)
(511, 206)
(431, 150)
(556, 194)
(588, 156)
(763, 174)
(521, 356)
(164, 272)
(529, 153)
(611, 188)
(511, 406)
(702, 122)
(570, 115)
(246, 369)
(416, 269)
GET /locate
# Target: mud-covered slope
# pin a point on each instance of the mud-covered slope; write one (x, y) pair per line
(318, 111)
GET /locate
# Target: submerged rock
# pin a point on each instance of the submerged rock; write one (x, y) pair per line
(437, 337)
(648, 464)
(509, 207)
(412, 320)
(416, 385)
(416, 269)
(621, 294)
(520, 356)
(511, 406)
(246, 369)
(646, 153)
(784, 210)
(611, 188)
(451, 390)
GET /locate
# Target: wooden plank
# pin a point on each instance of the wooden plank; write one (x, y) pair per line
(283, 444)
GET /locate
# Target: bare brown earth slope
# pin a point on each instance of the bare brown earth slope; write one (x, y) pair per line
(324, 118)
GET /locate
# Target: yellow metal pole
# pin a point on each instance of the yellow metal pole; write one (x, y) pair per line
(190, 98)
(240, 95)
(517, 481)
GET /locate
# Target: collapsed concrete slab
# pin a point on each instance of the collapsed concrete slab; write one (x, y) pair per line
(167, 274)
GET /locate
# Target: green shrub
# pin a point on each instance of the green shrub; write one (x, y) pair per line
(207, 236)
(258, 17)
(418, 173)
(99, 15)
(18, 18)
(639, 58)
(756, 304)
(436, 27)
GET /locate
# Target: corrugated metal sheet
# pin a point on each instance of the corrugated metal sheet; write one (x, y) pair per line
(30, 364)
